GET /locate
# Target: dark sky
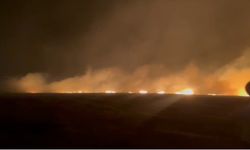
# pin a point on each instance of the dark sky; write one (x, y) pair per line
(64, 37)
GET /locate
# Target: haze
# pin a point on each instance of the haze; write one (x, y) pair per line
(96, 45)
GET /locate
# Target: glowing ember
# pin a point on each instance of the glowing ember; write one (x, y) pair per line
(161, 92)
(110, 92)
(186, 92)
(143, 92)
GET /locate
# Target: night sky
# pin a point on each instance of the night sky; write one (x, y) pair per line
(64, 38)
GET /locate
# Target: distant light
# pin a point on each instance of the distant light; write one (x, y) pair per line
(143, 92)
(161, 92)
(130, 92)
(186, 92)
(110, 92)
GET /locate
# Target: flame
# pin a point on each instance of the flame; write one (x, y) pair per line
(187, 91)
(212, 94)
(110, 92)
(225, 81)
(161, 92)
(143, 92)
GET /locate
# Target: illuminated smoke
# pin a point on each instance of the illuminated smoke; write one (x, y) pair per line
(158, 45)
(228, 80)
(32, 83)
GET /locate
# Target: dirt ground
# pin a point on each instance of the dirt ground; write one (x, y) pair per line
(123, 121)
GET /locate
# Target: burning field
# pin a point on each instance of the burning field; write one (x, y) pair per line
(228, 80)
(125, 74)
(156, 46)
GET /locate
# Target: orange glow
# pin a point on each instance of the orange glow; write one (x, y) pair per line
(212, 94)
(161, 92)
(143, 92)
(33, 92)
(242, 92)
(110, 92)
(187, 91)
(69, 92)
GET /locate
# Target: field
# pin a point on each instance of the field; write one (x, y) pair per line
(123, 121)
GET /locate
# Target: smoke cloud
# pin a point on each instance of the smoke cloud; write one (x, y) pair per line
(127, 46)
(230, 80)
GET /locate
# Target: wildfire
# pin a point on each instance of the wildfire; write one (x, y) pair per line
(187, 91)
(212, 94)
(143, 92)
(110, 92)
(161, 92)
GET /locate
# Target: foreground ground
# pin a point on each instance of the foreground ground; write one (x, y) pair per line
(123, 121)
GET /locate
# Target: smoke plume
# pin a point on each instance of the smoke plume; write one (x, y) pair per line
(229, 79)
(94, 46)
